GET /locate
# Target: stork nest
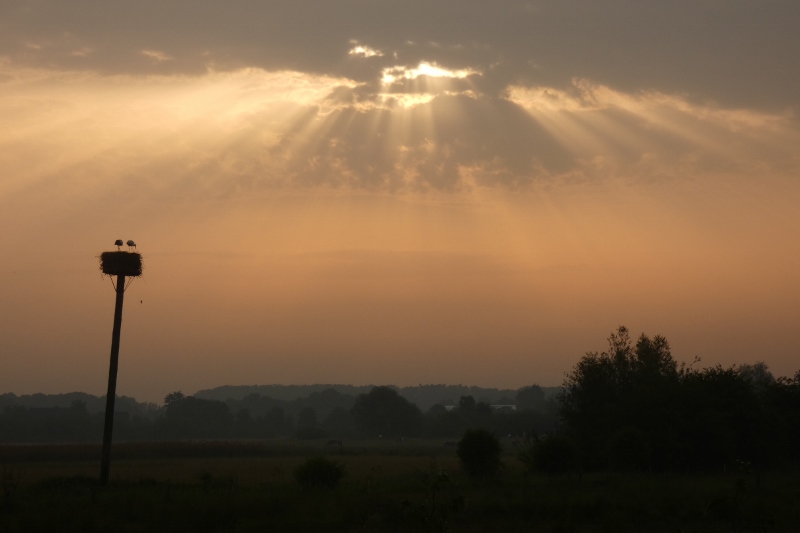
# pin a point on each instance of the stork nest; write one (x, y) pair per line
(121, 264)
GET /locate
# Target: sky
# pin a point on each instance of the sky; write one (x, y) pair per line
(394, 192)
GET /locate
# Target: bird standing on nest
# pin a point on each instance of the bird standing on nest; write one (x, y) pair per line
(131, 244)
(118, 243)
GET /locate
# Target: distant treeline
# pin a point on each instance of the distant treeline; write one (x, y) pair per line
(93, 404)
(424, 396)
(324, 413)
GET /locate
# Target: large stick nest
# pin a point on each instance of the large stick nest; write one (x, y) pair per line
(121, 264)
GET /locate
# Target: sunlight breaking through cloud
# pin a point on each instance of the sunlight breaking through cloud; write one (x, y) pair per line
(390, 75)
(597, 123)
(227, 134)
(363, 50)
(407, 100)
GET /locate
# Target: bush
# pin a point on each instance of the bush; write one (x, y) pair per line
(479, 453)
(555, 454)
(319, 472)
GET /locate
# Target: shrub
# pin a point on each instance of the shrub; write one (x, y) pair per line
(319, 472)
(479, 452)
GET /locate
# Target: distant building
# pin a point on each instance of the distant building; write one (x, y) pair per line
(509, 407)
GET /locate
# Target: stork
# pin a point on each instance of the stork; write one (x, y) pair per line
(118, 243)
(131, 244)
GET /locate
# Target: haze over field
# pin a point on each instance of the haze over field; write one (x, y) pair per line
(394, 192)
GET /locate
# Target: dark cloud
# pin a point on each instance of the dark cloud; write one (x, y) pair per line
(735, 52)
(630, 83)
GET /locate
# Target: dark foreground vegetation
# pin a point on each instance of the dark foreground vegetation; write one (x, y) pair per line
(635, 441)
(384, 486)
(634, 408)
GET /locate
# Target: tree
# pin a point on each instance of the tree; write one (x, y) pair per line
(339, 424)
(325, 401)
(173, 397)
(307, 418)
(627, 450)
(466, 404)
(725, 420)
(530, 398)
(784, 401)
(626, 387)
(307, 424)
(483, 410)
(382, 411)
(479, 452)
(758, 376)
(441, 423)
(79, 407)
(190, 417)
(276, 422)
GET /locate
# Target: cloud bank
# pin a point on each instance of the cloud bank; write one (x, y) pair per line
(735, 52)
(413, 95)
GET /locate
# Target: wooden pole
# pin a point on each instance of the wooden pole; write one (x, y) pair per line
(105, 464)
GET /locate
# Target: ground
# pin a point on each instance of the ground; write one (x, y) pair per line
(388, 486)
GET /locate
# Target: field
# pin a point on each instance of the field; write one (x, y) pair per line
(388, 486)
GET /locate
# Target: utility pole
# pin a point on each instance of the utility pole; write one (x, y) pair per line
(121, 264)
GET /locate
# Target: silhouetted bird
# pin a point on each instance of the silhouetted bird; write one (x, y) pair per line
(118, 243)
(131, 244)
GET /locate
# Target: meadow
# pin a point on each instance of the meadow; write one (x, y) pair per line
(413, 485)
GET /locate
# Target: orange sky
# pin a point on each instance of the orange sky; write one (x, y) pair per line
(448, 207)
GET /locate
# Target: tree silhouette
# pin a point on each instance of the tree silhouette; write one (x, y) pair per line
(173, 397)
(466, 404)
(190, 417)
(625, 387)
(633, 407)
(382, 411)
(530, 398)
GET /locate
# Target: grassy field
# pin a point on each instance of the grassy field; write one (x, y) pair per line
(388, 486)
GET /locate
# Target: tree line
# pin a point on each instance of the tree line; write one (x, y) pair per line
(382, 412)
(424, 396)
